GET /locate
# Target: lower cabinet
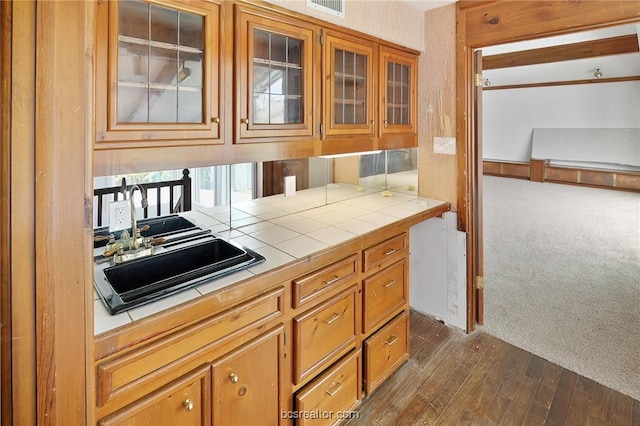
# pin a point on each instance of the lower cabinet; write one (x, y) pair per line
(328, 399)
(385, 351)
(185, 401)
(241, 388)
(246, 383)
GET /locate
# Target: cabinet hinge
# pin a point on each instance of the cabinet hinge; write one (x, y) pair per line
(321, 130)
(479, 282)
(284, 337)
(478, 79)
(320, 39)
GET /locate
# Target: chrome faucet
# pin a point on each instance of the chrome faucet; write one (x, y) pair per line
(134, 223)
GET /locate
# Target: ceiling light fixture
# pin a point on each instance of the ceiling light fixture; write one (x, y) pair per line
(597, 73)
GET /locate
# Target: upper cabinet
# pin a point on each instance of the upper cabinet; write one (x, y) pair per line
(349, 86)
(157, 74)
(275, 77)
(398, 73)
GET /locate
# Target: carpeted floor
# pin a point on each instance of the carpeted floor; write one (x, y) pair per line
(562, 276)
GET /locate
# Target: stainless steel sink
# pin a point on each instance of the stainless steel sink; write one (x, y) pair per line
(135, 283)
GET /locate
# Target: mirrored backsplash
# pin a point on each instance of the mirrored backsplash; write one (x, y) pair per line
(241, 194)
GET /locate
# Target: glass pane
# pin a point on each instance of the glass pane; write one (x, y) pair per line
(191, 30)
(349, 63)
(294, 110)
(339, 61)
(397, 116)
(278, 75)
(260, 44)
(294, 81)
(390, 117)
(163, 66)
(164, 24)
(276, 109)
(278, 48)
(338, 113)
(360, 93)
(133, 62)
(261, 108)
(133, 19)
(190, 72)
(360, 114)
(405, 74)
(349, 114)
(163, 105)
(361, 65)
(133, 104)
(390, 73)
(339, 88)
(294, 51)
(260, 78)
(189, 106)
(404, 95)
(404, 117)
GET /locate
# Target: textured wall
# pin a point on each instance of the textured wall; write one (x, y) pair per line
(438, 173)
(394, 21)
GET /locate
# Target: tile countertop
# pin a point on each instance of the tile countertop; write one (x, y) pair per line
(283, 230)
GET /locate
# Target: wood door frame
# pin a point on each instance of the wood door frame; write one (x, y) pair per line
(486, 23)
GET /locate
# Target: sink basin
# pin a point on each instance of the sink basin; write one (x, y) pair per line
(164, 226)
(142, 281)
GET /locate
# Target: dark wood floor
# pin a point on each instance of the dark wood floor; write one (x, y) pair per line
(453, 378)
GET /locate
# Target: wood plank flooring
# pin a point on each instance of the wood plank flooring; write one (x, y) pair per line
(453, 378)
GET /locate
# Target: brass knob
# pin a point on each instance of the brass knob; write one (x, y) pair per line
(244, 120)
(216, 120)
(234, 378)
(188, 404)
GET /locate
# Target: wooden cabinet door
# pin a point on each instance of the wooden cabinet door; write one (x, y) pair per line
(398, 98)
(247, 383)
(349, 86)
(184, 402)
(157, 73)
(275, 84)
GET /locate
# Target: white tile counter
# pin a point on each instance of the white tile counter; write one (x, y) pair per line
(283, 230)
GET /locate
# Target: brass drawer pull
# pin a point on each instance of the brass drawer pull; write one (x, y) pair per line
(391, 251)
(336, 390)
(333, 318)
(188, 404)
(331, 281)
(234, 378)
(391, 340)
(389, 284)
(244, 120)
(216, 120)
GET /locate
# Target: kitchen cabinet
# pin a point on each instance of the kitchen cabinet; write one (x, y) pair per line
(157, 73)
(398, 77)
(186, 401)
(247, 385)
(349, 88)
(276, 78)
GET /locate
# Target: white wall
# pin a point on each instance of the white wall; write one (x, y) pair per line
(510, 115)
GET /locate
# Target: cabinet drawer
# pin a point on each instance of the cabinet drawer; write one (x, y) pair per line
(383, 253)
(384, 294)
(310, 286)
(186, 401)
(385, 351)
(334, 392)
(324, 333)
(115, 377)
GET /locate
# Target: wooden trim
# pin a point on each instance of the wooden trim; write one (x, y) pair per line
(5, 211)
(539, 170)
(22, 194)
(63, 272)
(563, 83)
(587, 49)
(481, 24)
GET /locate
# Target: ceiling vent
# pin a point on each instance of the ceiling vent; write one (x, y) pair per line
(333, 7)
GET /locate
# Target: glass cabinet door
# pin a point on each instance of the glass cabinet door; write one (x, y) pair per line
(275, 87)
(398, 79)
(162, 79)
(349, 97)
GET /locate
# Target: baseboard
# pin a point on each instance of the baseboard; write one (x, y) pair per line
(540, 170)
